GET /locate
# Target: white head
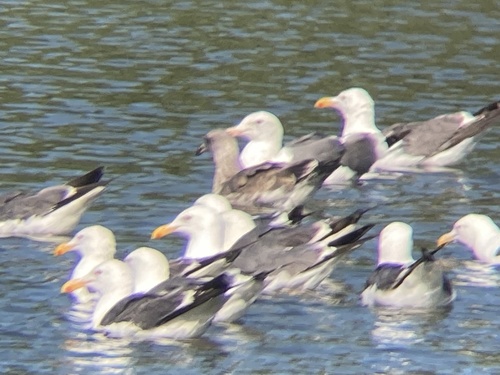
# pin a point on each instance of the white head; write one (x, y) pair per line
(478, 232)
(237, 223)
(107, 278)
(202, 226)
(95, 240)
(112, 280)
(395, 244)
(260, 125)
(217, 202)
(356, 107)
(149, 268)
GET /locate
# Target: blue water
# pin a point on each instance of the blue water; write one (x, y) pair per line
(135, 85)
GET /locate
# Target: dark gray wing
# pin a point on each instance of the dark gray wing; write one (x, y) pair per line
(360, 153)
(441, 133)
(211, 266)
(424, 138)
(154, 309)
(257, 258)
(385, 276)
(488, 116)
(316, 146)
(22, 205)
(144, 309)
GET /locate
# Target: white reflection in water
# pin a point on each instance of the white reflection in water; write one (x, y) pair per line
(96, 353)
(474, 273)
(397, 328)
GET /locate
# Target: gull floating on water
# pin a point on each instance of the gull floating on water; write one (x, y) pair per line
(94, 245)
(266, 188)
(400, 281)
(479, 233)
(177, 313)
(53, 211)
(151, 274)
(438, 142)
(292, 261)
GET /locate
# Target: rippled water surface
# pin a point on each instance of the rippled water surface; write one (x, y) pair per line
(134, 85)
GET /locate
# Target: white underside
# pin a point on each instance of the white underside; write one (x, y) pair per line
(396, 159)
(189, 325)
(59, 222)
(240, 299)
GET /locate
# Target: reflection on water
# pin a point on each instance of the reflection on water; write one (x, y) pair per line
(135, 85)
(475, 273)
(93, 352)
(87, 353)
(394, 328)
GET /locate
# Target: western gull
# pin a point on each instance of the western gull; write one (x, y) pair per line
(266, 188)
(150, 270)
(400, 281)
(479, 233)
(177, 313)
(438, 142)
(52, 211)
(264, 132)
(294, 262)
(94, 245)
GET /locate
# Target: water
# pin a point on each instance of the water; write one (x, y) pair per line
(135, 85)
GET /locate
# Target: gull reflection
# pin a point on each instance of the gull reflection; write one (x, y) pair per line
(96, 353)
(90, 352)
(475, 273)
(396, 328)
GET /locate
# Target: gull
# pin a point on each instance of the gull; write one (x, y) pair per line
(267, 188)
(52, 211)
(441, 141)
(264, 132)
(292, 261)
(479, 233)
(400, 281)
(94, 245)
(177, 313)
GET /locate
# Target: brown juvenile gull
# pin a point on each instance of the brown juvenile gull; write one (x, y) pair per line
(400, 281)
(442, 141)
(53, 211)
(266, 188)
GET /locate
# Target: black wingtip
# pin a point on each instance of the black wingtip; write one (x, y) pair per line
(490, 107)
(337, 224)
(88, 178)
(352, 236)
